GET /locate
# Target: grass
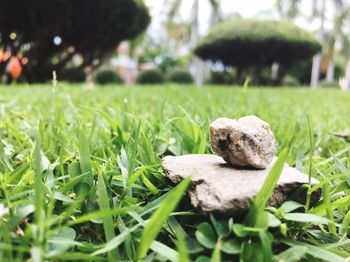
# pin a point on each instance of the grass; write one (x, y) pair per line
(81, 176)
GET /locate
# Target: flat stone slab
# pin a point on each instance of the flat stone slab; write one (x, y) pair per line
(221, 188)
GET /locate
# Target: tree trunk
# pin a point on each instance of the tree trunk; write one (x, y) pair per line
(315, 71)
(316, 61)
(197, 65)
(274, 71)
(282, 71)
(345, 82)
(330, 71)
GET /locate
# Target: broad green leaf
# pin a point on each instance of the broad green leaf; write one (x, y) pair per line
(239, 230)
(247, 251)
(231, 246)
(205, 235)
(202, 259)
(60, 242)
(74, 169)
(290, 206)
(221, 227)
(273, 220)
(59, 196)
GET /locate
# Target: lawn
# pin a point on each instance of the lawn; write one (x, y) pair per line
(79, 169)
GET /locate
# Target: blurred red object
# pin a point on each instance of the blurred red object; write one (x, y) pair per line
(14, 67)
(24, 60)
(4, 55)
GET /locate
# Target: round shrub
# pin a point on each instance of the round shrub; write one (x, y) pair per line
(180, 76)
(150, 76)
(244, 43)
(105, 76)
(290, 81)
(325, 83)
(221, 78)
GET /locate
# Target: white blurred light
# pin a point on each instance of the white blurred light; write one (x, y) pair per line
(13, 36)
(57, 40)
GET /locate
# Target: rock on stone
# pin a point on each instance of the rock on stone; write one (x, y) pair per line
(218, 187)
(247, 142)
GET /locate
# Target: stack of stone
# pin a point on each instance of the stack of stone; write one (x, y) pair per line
(227, 182)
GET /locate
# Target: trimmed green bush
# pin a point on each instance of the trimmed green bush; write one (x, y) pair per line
(325, 83)
(150, 76)
(180, 76)
(247, 44)
(256, 42)
(104, 76)
(221, 78)
(290, 81)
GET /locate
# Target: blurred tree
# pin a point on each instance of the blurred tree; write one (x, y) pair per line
(256, 44)
(64, 35)
(288, 9)
(189, 31)
(336, 36)
(319, 7)
(291, 9)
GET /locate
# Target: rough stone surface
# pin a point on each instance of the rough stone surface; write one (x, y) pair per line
(247, 142)
(218, 187)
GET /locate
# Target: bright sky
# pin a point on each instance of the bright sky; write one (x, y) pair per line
(246, 8)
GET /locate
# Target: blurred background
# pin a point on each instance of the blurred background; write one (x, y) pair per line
(221, 42)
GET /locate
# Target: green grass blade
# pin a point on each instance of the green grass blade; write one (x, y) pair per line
(345, 225)
(85, 161)
(216, 256)
(38, 189)
(266, 246)
(115, 242)
(164, 251)
(329, 210)
(37, 250)
(160, 216)
(292, 254)
(263, 196)
(182, 248)
(317, 252)
(103, 202)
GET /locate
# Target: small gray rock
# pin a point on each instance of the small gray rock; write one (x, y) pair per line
(247, 142)
(218, 187)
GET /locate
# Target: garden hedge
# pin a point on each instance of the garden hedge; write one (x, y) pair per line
(180, 76)
(150, 76)
(105, 75)
(256, 43)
